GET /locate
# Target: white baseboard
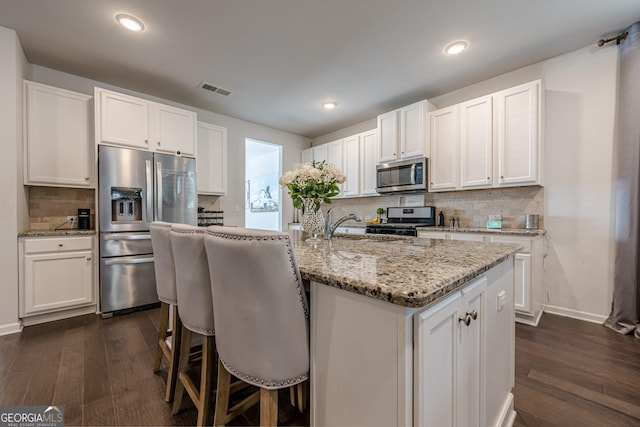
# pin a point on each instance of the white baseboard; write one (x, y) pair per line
(575, 314)
(529, 320)
(58, 315)
(508, 415)
(10, 328)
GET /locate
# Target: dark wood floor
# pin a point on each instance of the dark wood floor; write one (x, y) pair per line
(568, 373)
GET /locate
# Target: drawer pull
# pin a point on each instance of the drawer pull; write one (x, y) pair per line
(60, 245)
(88, 258)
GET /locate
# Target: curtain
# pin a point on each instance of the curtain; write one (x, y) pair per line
(625, 310)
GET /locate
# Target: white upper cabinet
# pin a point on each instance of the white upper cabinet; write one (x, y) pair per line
(211, 164)
(133, 122)
(443, 164)
(518, 135)
(123, 119)
(175, 130)
(368, 161)
(306, 156)
(403, 133)
(493, 141)
(335, 157)
(58, 148)
(388, 132)
(476, 143)
(320, 153)
(413, 140)
(351, 150)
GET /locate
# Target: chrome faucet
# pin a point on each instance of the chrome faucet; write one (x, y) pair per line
(330, 227)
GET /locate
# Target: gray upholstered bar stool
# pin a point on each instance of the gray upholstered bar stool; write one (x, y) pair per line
(261, 314)
(166, 289)
(196, 312)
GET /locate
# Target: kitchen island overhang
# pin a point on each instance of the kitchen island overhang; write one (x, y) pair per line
(384, 310)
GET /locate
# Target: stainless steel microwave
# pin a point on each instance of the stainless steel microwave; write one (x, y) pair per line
(405, 176)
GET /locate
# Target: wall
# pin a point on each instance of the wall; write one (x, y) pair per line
(579, 112)
(13, 214)
(237, 131)
(50, 206)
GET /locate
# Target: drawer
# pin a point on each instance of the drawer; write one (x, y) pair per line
(58, 244)
(526, 242)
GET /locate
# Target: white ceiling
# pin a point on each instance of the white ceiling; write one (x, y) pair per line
(282, 58)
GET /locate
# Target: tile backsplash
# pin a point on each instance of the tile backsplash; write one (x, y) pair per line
(50, 206)
(471, 207)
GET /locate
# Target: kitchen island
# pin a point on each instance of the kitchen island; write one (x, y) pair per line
(410, 331)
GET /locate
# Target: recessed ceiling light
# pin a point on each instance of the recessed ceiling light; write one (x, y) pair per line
(329, 105)
(456, 47)
(130, 22)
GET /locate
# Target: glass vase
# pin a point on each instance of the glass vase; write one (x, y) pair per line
(312, 221)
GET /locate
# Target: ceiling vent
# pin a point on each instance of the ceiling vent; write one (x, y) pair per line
(214, 89)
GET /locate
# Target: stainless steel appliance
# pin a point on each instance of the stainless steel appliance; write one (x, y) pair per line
(405, 221)
(406, 176)
(135, 188)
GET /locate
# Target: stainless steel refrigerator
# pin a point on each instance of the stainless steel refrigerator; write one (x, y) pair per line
(135, 188)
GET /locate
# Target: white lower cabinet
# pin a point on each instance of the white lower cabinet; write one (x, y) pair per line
(450, 353)
(57, 278)
(449, 364)
(527, 269)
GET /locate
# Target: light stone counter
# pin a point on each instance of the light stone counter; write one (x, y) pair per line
(59, 233)
(480, 230)
(410, 272)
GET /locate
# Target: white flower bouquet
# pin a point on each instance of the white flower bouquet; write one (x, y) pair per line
(317, 181)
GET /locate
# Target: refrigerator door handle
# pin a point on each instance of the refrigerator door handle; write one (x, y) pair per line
(149, 185)
(127, 261)
(159, 191)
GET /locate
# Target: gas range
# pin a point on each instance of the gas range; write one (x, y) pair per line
(405, 221)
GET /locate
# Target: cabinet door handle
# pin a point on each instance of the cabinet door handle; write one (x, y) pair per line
(473, 314)
(86, 178)
(146, 141)
(158, 142)
(466, 319)
(88, 258)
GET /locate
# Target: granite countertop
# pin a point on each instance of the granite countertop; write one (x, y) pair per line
(411, 272)
(51, 233)
(480, 230)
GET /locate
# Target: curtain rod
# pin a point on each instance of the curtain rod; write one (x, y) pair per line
(617, 38)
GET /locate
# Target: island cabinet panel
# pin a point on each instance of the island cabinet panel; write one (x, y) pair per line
(449, 360)
(447, 364)
(361, 357)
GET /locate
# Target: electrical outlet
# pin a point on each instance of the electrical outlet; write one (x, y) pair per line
(72, 219)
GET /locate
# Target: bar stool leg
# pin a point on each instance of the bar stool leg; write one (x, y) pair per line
(207, 383)
(222, 395)
(162, 335)
(176, 343)
(268, 407)
(183, 367)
